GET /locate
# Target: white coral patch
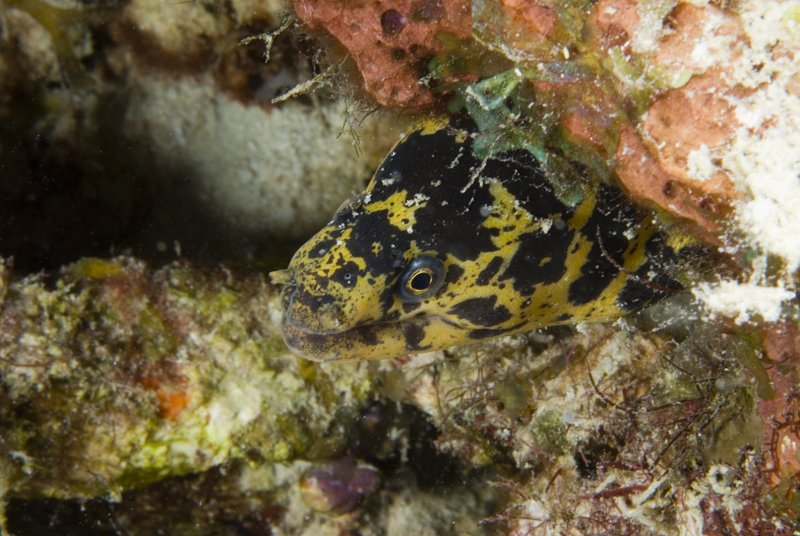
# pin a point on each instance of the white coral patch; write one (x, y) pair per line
(764, 159)
(742, 301)
(699, 164)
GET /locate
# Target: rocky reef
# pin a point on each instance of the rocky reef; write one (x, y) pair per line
(158, 159)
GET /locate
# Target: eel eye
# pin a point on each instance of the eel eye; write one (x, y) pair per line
(422, 278)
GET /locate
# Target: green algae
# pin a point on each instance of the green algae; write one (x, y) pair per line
(125, 372)
(94, 268)
(549, 431)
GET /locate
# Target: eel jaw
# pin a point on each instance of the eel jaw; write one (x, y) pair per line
(309, 336)
(379, 340)
(314, 331)
(370, 341)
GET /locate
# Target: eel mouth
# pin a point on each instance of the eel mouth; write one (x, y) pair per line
(370, 341)
(313, 330)
(319, 334)
(310, 314)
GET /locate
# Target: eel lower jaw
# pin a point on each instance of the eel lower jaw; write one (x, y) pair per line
(380, 340)
(308, 345)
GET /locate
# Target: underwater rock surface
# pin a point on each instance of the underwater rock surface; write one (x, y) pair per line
(137, 375)
(153, 131)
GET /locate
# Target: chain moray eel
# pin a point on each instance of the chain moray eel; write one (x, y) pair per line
(445, 248)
